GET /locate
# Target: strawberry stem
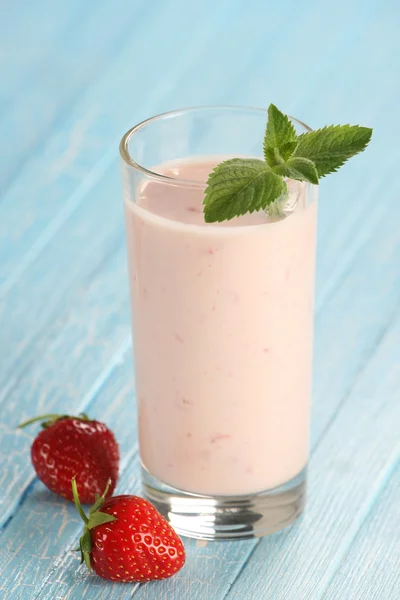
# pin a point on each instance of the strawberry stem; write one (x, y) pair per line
(78, 502)
(42, 418)
(50, 419)
(100, 499)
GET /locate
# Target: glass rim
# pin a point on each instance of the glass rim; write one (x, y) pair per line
(129, 160)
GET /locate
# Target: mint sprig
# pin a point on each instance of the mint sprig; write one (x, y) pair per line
(243, 185)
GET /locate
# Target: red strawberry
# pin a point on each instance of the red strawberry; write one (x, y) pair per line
(75, 447)
(128, 540)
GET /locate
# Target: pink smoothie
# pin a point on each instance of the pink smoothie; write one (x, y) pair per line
(222, 322)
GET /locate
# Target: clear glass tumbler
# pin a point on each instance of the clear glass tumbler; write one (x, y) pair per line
(222, 330)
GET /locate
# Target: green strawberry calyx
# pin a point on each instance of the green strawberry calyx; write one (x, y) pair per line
(95, 518)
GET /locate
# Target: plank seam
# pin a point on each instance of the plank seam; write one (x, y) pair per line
(242, 567)
(27, 490)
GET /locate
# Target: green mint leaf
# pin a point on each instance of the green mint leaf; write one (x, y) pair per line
(279, 157)
(273, 157)
(239, 186)
(288, 149)
(302, 169)
(329, 148)
(279, 132)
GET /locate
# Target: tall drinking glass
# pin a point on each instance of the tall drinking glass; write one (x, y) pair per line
(222, 330)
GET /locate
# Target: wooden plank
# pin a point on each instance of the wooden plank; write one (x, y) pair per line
(22, 53)
(314, 89)
(371, 567)
(356, 318)
(79, 249)
(95, 36)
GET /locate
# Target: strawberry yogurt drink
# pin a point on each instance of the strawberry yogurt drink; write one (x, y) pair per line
(222, 333)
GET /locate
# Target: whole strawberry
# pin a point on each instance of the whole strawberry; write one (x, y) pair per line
(75, 447)
(128, 540)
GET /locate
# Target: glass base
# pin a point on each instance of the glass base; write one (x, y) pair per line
(227, 517)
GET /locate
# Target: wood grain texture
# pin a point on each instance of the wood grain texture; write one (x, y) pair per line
(95, 34)
(371, 567)
(25, 46)
(79, 74)
(78, 151)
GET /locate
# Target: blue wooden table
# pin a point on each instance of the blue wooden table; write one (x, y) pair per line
(74, 76)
